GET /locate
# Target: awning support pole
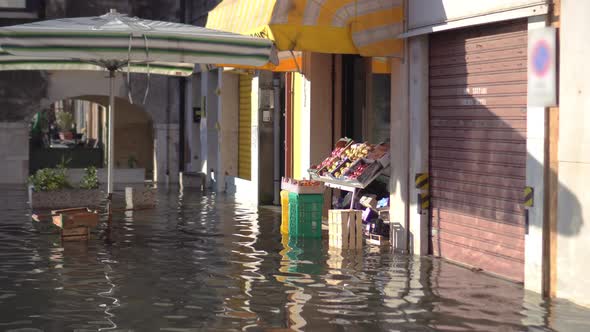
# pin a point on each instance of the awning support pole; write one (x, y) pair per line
(111, 133)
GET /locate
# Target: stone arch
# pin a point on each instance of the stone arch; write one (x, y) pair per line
(22, 101)
(63, 85)
(134, 127)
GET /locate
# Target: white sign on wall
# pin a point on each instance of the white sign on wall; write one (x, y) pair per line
(542, 85)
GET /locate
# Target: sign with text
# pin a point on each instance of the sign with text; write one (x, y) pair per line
(542, 81)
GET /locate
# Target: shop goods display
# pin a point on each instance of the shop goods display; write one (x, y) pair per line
(384, 202)
(377, 227)
(369, 201)
(369, 214)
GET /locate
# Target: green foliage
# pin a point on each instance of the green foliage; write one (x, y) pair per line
(63, 164)
(49, 179)
(132, 161)
(90, 178)
(65, 121)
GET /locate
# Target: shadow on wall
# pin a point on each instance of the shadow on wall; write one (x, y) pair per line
(478, 148)
(134, 139)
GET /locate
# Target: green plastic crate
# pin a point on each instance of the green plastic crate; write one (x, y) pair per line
(305, 215)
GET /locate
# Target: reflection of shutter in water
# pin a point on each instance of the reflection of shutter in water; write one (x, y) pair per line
(245, 128)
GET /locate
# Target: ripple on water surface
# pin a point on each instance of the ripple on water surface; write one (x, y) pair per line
(207, 262)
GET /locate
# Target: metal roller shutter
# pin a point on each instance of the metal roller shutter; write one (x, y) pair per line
(478, 97)
(245, 128)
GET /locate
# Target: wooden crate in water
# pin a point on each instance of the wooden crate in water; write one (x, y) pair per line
(345, 229)
(75, 223)
(75, 234)
(378, 240)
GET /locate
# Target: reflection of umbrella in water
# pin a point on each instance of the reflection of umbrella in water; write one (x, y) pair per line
(116, 42)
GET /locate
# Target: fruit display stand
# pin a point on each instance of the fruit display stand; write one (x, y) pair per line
(352, 166)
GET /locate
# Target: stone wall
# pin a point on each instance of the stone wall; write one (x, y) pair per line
(574, 155)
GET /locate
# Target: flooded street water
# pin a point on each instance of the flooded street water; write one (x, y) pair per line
(205, 262)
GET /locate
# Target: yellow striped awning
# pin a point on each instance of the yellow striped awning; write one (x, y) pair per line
(365, 27)
(288, 61)
(380, 65)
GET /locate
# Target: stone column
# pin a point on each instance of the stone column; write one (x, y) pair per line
(419, 134)
(14, 152)
(399, 177)
(166, 153)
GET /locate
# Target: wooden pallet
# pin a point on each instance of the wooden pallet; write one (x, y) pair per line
(345, 229)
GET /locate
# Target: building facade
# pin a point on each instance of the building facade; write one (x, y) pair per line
(461, 112)
(25, 93)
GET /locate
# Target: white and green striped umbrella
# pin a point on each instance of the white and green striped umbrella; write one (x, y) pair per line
(116, 42)
(115, 38)
(16, 62)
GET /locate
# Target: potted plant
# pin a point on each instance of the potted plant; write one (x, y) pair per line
(90, 179)
(50, 189)
(65, 121)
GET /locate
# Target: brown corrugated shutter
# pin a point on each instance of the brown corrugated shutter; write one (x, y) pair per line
(478, 97)
(245, 128)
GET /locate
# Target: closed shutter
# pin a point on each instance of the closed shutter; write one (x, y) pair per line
(245, 128)
(478, 97)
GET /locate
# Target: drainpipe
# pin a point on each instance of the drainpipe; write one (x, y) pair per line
(181, 102)
(168, 136)
(406, 63)
(333, 74)
(288, 124)
(181, 123)
(277, 140)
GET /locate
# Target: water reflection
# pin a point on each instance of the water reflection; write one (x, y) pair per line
(209, 263)
(299, 261)
(109, 295)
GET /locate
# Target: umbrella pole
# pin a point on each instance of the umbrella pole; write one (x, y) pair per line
(111, 152)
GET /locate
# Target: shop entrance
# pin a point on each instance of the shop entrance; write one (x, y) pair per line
(366, 98)
(353, 96)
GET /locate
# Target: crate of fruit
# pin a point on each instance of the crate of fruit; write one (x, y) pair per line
(302, 186)
(358, 151)
(361, 173)
(380, 153)
(329, 164)
(340, 168)
(343, 143)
